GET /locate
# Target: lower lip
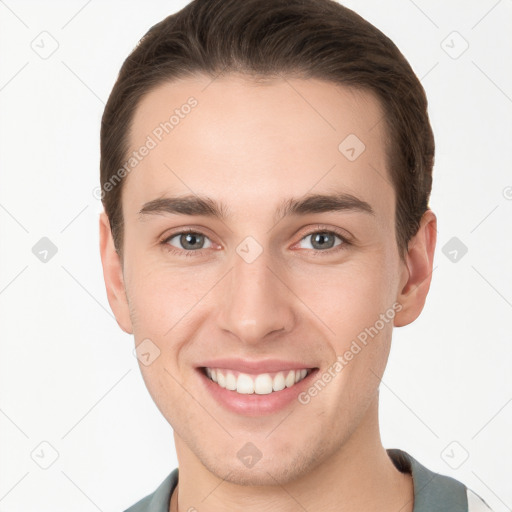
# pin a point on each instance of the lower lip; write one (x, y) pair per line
(254, 404)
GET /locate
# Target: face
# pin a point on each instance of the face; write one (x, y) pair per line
(263, 311)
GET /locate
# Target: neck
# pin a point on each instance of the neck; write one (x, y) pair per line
(359, 475)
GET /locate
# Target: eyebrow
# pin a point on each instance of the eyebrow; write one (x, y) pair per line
(208, 207)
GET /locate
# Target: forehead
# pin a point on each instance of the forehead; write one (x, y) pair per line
(242, 140)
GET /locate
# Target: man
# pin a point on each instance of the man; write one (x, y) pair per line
(266, 168)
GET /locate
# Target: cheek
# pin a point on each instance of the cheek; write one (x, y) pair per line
(348, 298)
(343, 299)
(162, 297)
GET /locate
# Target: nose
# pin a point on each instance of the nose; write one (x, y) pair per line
(255, 301)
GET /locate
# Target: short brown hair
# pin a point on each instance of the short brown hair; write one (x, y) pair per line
(274, 38)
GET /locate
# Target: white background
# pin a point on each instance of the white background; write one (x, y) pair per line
(68, 374)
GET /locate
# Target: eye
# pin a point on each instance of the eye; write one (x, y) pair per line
(188, 241)
(191, 243)
(325, 241)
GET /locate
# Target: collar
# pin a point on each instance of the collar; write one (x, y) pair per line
(432, 491)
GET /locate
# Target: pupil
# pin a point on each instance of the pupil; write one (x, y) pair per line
(188, 240)
(320, 238)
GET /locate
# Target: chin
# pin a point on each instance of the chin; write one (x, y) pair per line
(280, 471)
(264, 475)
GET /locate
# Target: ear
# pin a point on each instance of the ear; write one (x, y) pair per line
(113, 276)
(417, 270)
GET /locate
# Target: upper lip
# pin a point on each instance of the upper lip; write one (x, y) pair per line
(254, 366)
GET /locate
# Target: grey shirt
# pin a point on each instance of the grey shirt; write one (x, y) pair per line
(433, 492)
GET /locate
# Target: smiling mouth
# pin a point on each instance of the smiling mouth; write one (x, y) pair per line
(259, 384)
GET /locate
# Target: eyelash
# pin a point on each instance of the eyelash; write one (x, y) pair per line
(199, 252)
(318, 229)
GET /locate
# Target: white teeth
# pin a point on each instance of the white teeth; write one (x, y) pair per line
(221, 379)
(262, 384)
(290, 379)
(278, 383)
(245, 384)
(230, 381)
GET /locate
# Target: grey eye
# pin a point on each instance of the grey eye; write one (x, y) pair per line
(189, 241)
(322, 240)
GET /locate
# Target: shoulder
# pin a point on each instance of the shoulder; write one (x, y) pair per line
(435, 491)
(159, 500)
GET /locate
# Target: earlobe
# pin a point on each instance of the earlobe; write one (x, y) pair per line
(417, 270)
(113, 276)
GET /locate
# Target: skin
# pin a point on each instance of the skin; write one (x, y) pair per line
(252, 145)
